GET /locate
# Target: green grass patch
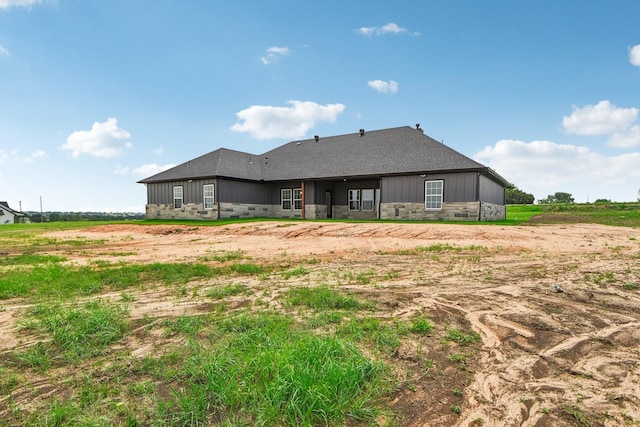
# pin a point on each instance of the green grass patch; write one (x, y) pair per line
(262, 370)
(324, 298)
(461, 337)
(294, 272)
(223, 256)
(421, 325)
(75, 332)
(30, 259)
(385, 336)
(222, 291)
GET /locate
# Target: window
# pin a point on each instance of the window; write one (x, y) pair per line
(297, 198)
(367, 199)
(285, 199)
(207, 191)
(177, 197)
(354, 200)
(433, 194)
(291, 198)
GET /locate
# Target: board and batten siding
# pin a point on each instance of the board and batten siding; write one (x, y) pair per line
(491, 191)
(458, 187)
(232, 191)
(161, 193)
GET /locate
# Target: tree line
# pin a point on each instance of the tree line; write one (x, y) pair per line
(515, 196)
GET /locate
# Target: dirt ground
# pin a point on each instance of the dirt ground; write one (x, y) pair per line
(547, 358)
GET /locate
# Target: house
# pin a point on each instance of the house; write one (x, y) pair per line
(397, 173)
(9, 216)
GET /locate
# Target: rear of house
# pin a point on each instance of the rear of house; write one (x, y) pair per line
(397, 173)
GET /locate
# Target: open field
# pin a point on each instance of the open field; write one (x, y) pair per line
(284, 322)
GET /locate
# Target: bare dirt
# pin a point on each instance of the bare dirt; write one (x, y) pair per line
(548, 357)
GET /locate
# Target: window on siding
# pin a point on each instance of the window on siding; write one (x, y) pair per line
(177, 197)
(291, 198)
(285, 199)
(354, 200)
(297, 198)
(433, 194)
(209, 199)
(368, 199)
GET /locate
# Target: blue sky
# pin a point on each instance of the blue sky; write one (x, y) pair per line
(96, 95)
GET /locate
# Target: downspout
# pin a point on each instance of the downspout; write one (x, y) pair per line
(303, 199)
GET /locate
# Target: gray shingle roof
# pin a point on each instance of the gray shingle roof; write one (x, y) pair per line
(221, 162)
(379, 152)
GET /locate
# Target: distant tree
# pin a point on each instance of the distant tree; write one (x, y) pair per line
(515, 196)
(559, 197)
(602, 201)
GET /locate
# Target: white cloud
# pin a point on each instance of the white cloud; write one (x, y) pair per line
(4, 51)
(601, 119)
(625, 139)
(5, 4)
(634, 55)
(544, 167)
(274, 53)
(384, 87)
(390, 28)
(151, 169)
(103, 140)
(266, 122)
(158, 151)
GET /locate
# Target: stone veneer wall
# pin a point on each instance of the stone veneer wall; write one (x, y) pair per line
(343, 212)
(315, 212)
(492, 212)
(456, 211)
(188, 211)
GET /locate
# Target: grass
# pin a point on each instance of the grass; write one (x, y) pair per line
(73, 332)
(324, 298)
(66, 281)
(266, 371)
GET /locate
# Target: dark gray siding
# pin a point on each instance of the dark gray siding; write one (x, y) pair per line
(231, 191)
(162, 193)
(340, 189)
(458, 187)
(490, 191)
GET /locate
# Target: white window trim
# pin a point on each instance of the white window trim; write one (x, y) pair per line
(176, 198)
(289, 199)
(297, 197)
(205, 197)
(355, 191)
(441, 195)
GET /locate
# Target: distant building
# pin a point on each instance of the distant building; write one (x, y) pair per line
(9, 216)
(398, 173)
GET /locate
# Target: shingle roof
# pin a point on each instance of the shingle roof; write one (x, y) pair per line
(379, 152)
(221, 162)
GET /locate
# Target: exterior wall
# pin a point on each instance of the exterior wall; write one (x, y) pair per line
(315, 211)
(455, 211)
(343, 212)
(492, 212)
(491, 191)
(188, 211)
(245, 210)
(458, 187)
